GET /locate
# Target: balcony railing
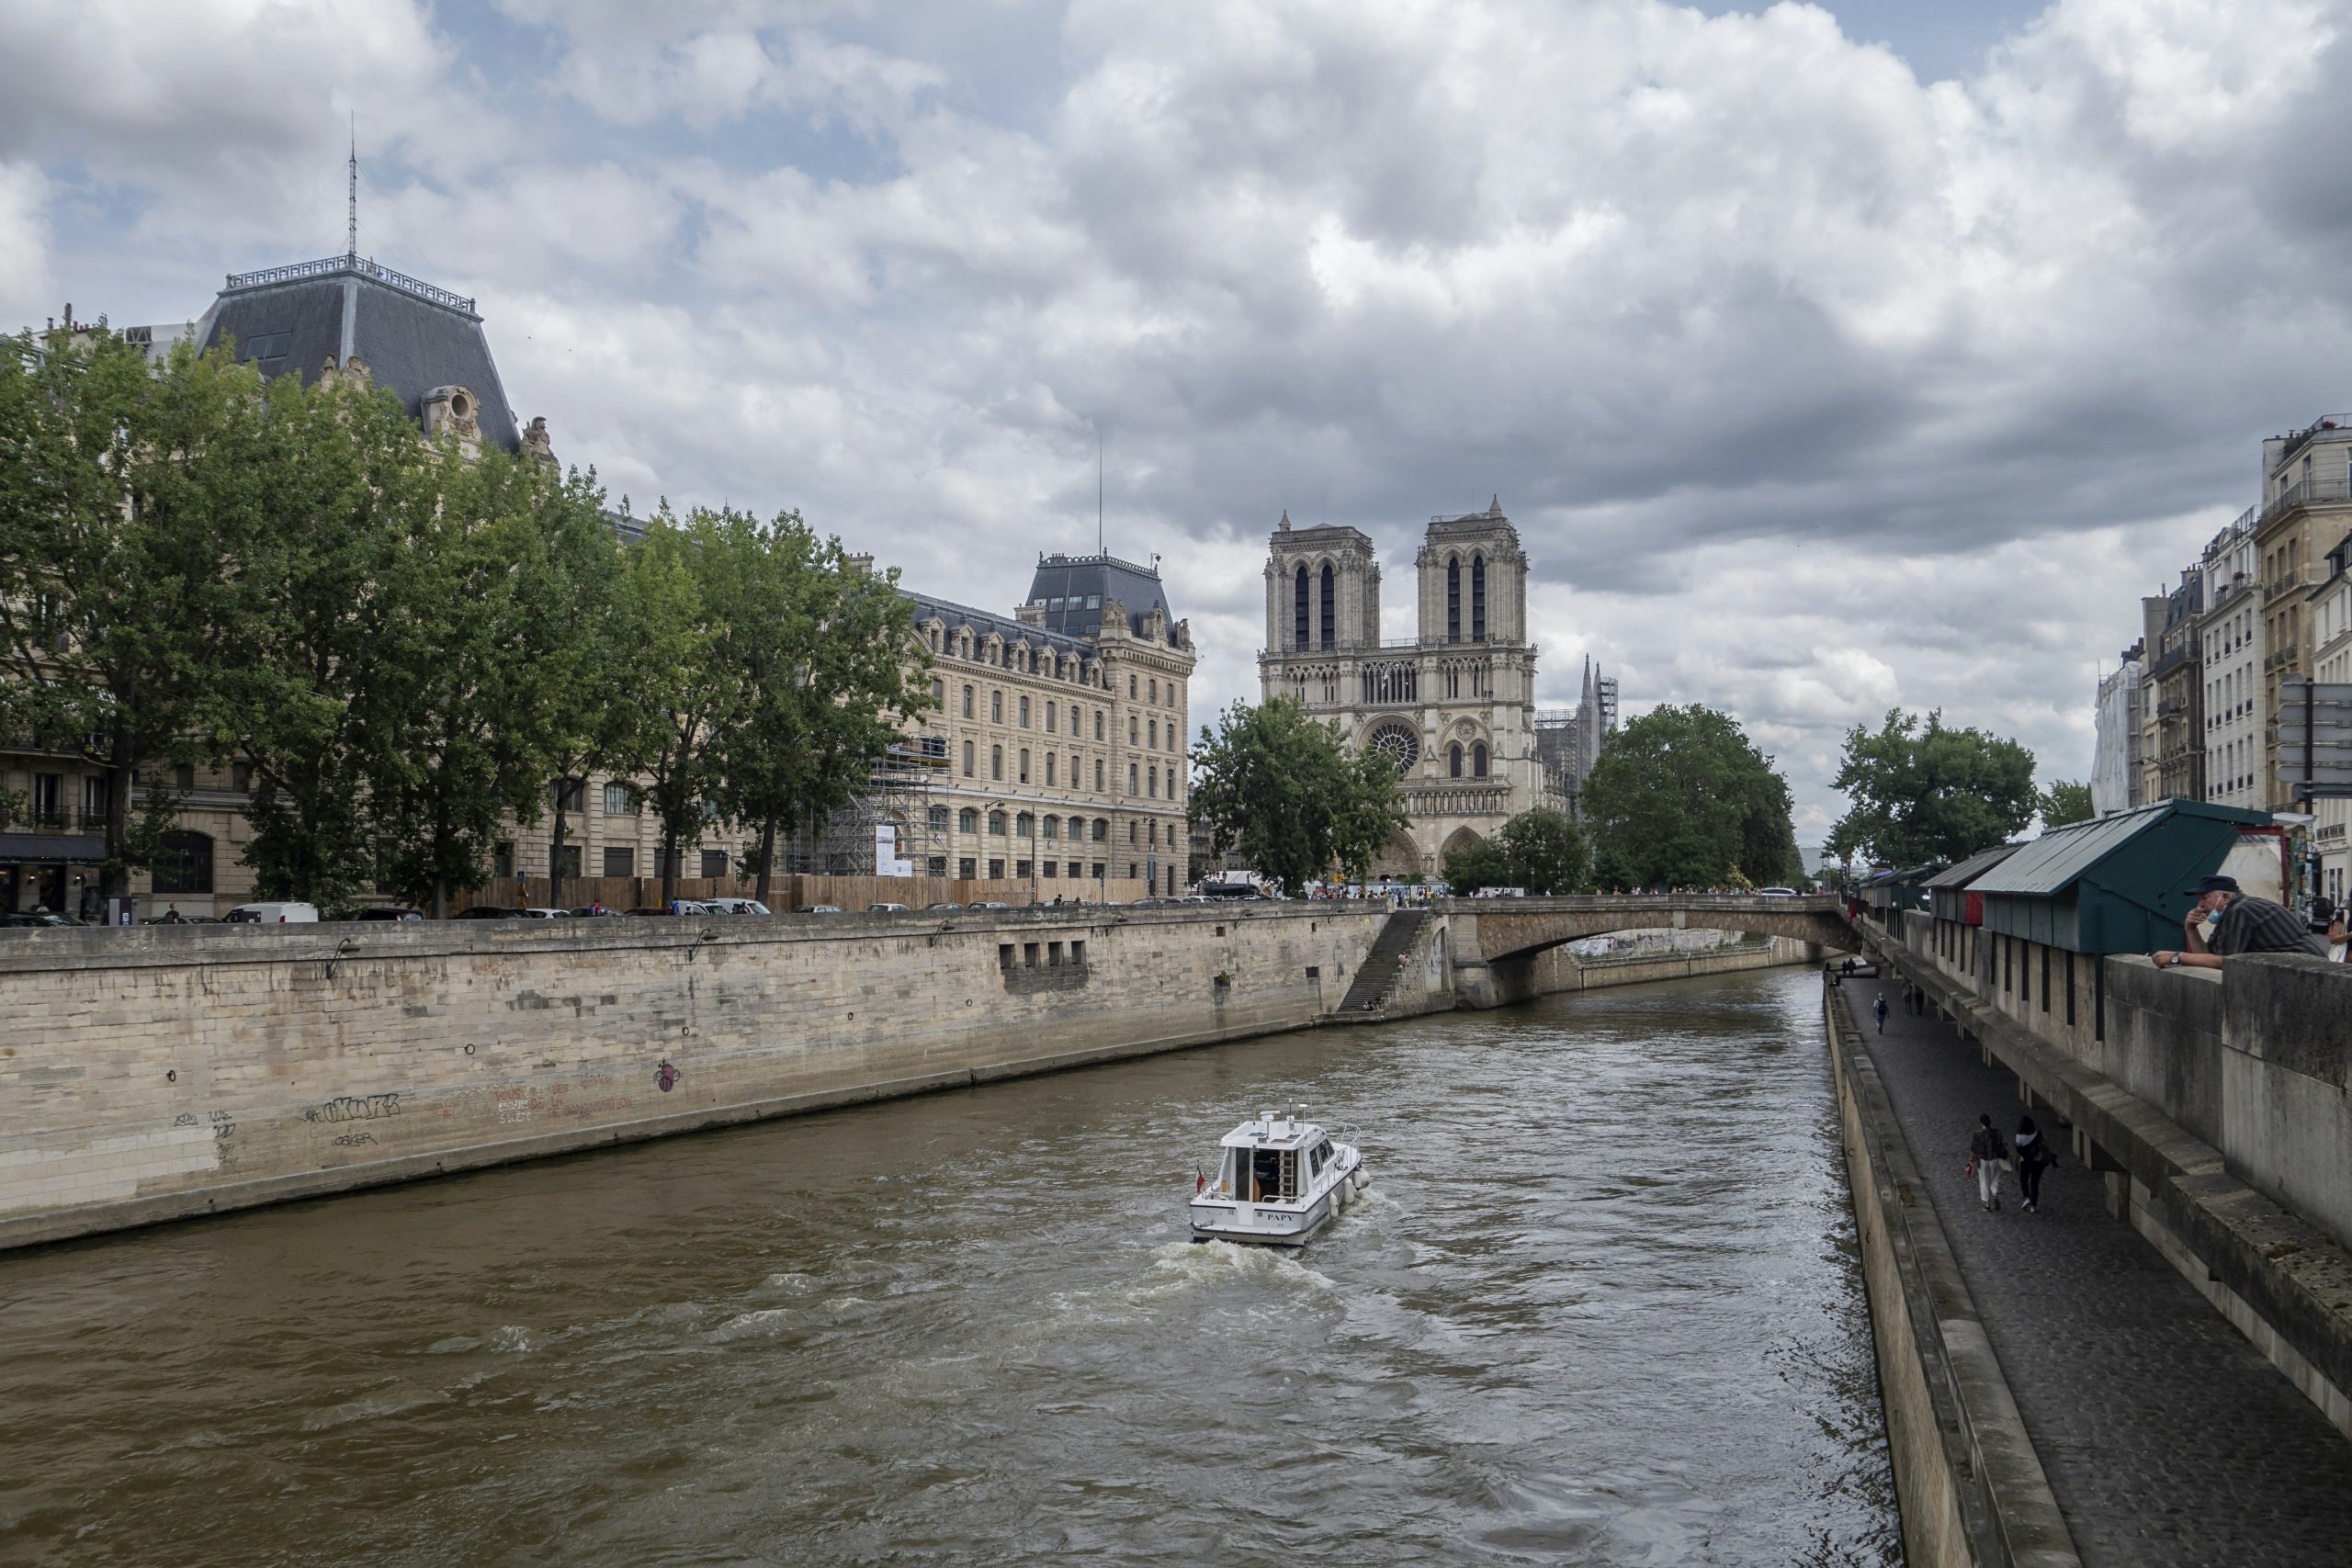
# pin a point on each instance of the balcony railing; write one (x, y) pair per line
(334, 266)
(2306, 493)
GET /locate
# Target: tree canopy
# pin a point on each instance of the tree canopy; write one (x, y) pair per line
(1287, 792)
(1680, 797)
(1539, 851)
(1922, 791)
(2066, 800)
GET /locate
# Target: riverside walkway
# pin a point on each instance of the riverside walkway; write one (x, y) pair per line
(2165, 1437)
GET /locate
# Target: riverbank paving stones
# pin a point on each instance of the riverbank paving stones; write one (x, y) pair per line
(2168, 1439)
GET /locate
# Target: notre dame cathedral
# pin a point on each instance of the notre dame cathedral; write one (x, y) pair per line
(1453, 706)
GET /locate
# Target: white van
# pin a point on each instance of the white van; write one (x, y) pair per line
(273, 915)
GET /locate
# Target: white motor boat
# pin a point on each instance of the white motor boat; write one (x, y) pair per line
(1278, 1181)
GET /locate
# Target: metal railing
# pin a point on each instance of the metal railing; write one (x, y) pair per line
(334, 266)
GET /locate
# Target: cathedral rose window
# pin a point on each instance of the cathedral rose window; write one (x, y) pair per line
(1397, 743)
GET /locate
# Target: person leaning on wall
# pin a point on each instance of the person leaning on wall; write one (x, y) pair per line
(2226, 922)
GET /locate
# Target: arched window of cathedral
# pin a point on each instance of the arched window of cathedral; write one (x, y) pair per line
(1478, 759)
(1454, 761)
(1479, 598)
(1330, 608)
(1454, 598)
(1298, 608)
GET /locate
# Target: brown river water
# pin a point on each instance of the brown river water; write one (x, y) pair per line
(1601, 1306)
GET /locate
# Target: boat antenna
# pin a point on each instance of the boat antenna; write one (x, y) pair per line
(351, 218)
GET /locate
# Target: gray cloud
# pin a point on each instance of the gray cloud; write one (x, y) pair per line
(1814, 389)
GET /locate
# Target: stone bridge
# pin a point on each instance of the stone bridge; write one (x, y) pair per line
(1496, 941)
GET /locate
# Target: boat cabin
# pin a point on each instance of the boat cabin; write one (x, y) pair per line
(1274, 1160)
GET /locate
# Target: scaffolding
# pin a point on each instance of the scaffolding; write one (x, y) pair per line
(1555, 753)
(898, 795)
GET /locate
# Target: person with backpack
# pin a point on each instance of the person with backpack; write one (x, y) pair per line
(1988, 1156)
(1877, 1010)
(2033, 1157)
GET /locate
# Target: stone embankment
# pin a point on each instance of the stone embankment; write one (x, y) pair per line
(173, 1071)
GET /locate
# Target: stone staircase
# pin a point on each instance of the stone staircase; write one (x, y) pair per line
(1376, 977)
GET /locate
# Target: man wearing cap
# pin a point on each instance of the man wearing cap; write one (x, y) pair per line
(2225, 921)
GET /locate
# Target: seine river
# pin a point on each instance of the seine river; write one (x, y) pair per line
(1603, 1306)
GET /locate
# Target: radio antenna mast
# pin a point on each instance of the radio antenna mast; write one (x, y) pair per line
(1097, 490)
(351, 221)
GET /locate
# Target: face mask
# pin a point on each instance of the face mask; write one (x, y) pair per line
(2212, 917)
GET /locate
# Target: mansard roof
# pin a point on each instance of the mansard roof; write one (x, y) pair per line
(959, 617)
(1082, 584)
(414, 337)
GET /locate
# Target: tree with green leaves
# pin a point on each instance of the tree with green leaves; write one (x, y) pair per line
(1541, 852)
(1680, 797)
(1922, 791)
(474, 681)
(126, 493)
(1289, 794)
(824, 666)
(2066, 800)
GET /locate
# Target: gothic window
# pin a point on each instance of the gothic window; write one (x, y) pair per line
(1478, 759)
(1298, 608)
(1479, 598)
(1454, 761)
(1453, 598)
(1397, 743)
(1330, 608)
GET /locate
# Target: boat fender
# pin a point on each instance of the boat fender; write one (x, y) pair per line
(1340, 1196)
(1362, 1178)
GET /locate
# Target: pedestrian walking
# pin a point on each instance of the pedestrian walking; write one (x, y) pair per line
(1877, 1010)
(2335, 935)
(2033, 1157)
(1988, 1156)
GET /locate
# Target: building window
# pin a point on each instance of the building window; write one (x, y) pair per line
(996, 869)
(1050, 767)
(939, 819)
(1479, 598)
(1151, 782)
(186, 863)
(967, 759)
(1478, 759)
(1102, 830)
(1298, 609)
(1454, 761)
(1134, 776)
(967, 701)
(1052, 826)
(996, 763)
(1098, 727)
(1131, 839)
(241, 777)
(1024, 764)
(936, 866)
(620, 862)
(1077, 831)
(995, 707)
(1024, 826)
(714, 863)
(939, 693)
(1330, 618)
(996, 823)
(567, 861)
(1024, 713)
(1152, 729)
(1049, 719)
(1098, 776)
(183, 777)
(1133, 730)
(620, 800)
(967, 820)
(1020, 869)
(1097, 871)
(1453, 598)
(968, 868)
(1131, 688)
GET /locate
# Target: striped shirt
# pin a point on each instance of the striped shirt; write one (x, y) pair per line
(2256, 925)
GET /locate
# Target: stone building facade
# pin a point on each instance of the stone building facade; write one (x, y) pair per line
(1453, 706)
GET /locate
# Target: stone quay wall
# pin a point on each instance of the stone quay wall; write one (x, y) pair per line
(2217, 1106)
(161, 1072)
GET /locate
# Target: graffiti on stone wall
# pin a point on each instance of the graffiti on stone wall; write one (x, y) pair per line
(666, 1076)
(353, 1108)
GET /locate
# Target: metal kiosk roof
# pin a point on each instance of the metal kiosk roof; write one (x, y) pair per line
(1898, 889)
(1948, 890)
(2116, 884)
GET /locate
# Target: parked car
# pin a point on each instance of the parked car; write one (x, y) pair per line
(545, 914)
(735, 907)
(1229, 890)
(41, 917)
(888, 909)
(1777, 892)
(818, 909)
(375, 912)
(487, 912)
(273, 914)
(989, 904)
(592, 912)
(957, 907)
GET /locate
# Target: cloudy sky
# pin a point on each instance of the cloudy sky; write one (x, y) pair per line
(1827, 358)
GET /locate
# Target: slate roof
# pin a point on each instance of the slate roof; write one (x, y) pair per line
(1072, 589)
(982, 623)
(413, 336)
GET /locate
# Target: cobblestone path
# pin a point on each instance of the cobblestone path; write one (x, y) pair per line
(2168, 1439)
